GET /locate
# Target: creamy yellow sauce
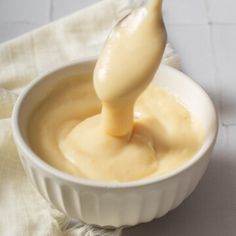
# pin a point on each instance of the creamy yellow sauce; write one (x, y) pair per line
(127, 65)
(165, 134)
(112, 133)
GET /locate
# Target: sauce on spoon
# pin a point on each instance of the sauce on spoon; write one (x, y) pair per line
(127, 65)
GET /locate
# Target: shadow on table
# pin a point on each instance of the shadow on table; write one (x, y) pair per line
(209, 211)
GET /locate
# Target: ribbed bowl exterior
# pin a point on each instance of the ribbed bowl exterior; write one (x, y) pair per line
(116, 207)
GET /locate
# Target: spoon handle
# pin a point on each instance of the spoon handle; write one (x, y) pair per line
(155, 5)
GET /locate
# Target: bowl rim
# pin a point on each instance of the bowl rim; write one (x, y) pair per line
(28, 152)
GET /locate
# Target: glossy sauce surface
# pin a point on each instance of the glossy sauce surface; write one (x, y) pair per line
(165, 134)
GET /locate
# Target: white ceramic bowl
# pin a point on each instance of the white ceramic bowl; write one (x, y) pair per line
(114, 204)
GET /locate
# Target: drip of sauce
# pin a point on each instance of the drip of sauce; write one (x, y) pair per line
(127, 64)
(114, 145)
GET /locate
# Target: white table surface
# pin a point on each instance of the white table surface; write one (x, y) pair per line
(203, 32)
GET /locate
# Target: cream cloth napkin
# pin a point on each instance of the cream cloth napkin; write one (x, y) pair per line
(23, 212)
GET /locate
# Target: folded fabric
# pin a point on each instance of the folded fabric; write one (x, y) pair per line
(23, 210)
